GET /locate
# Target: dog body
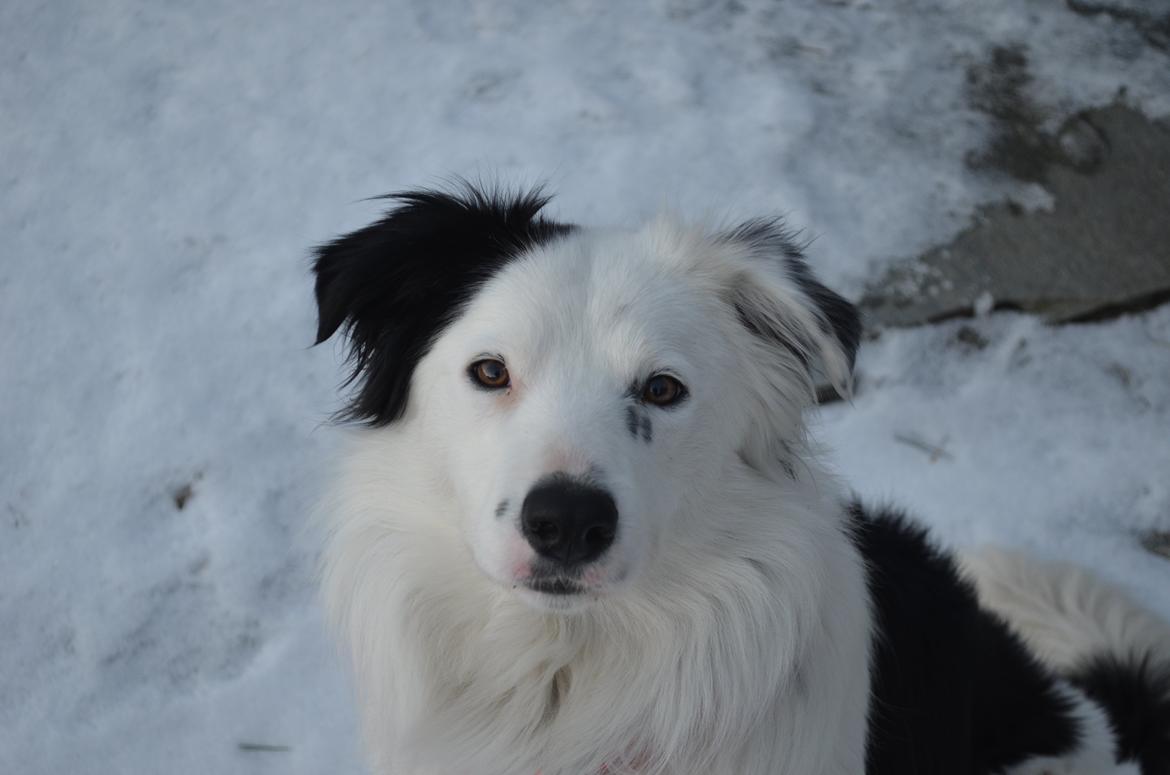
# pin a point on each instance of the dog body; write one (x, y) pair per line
(584, 530)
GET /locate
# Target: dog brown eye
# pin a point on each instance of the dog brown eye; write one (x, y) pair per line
(490, 373)
(663, 390)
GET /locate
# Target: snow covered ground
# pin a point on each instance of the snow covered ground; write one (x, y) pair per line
(166, 166)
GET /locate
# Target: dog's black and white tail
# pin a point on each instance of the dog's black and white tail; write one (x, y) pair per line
(1101, 641)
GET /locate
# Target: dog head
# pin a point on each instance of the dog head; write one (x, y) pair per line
(578, 391)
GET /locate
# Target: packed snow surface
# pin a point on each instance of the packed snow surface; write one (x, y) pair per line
(163, 423)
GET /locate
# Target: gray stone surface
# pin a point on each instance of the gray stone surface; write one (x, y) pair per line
(1157, 542)
(1150, 17)
(1103, 247)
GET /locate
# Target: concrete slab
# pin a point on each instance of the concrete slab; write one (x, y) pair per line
(1102, 248)
(1150, 17)
(1157, 542)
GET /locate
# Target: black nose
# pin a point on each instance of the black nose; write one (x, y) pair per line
(568, 521)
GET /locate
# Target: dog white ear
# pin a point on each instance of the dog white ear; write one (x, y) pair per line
(778, 298)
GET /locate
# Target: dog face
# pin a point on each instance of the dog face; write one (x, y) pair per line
(577, 399)
(579, 390)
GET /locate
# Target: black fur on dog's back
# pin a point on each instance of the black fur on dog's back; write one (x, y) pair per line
(1135, 693)
(954, 690)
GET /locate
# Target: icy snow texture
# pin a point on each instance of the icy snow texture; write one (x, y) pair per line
(1003, 430)
(166, 166)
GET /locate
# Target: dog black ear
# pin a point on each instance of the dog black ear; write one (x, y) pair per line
(394, 285)
(780, 298)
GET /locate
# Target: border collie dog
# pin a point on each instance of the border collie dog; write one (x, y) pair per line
(581, 528)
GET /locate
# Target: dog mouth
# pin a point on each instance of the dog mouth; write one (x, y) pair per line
(555, 586)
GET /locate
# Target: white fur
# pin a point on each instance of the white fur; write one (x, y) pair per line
(727, 629)
(1063, 612)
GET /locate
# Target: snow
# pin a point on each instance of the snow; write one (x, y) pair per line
(167, 165)
(1004, 430)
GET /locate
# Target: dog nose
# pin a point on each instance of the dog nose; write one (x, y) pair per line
(568, 521)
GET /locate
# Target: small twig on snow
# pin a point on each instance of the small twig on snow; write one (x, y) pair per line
(262, 748)
(936, 451)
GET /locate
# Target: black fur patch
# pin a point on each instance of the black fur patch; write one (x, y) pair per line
(502, 509)
(633, 422)
(1135, 693)
(395, 284)
(639, 424)
(953, 689)
(770, 235)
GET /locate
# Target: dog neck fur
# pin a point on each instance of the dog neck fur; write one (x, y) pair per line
(459, 675)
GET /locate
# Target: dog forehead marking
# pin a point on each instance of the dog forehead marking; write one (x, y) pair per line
(632, 423)
(639, 425)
